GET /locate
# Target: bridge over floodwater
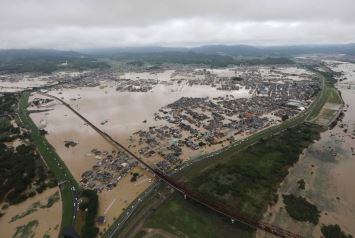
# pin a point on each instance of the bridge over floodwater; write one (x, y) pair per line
(187, 192)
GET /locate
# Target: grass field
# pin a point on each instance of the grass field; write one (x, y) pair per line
(184, 218)
(333, 96)
(52, 160)
(329, 94)
(331, 104)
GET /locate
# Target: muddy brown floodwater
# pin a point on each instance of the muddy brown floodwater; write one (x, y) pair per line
(117, 113)
(48, 218)
(125, 111)
(62, 124)
(327, 168)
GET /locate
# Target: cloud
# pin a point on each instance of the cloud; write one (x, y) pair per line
(84, 24)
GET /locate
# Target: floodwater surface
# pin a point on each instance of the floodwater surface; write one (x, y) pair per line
(327, 167)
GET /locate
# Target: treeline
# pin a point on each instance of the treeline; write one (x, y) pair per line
(45, 66)
(334, 231)
(235, 50)
(267, 61)
(214, 60)
(22, 174)
(176, 58)
(300, 209)
(330, 75)
(7, 131)
(89, 206)
(45, 61)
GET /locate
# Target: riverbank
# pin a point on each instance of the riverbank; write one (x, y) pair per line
(245, 181)
(55, 164)
(326, 168)
(88, 153)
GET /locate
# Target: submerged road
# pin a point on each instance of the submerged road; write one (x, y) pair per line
(215, 206)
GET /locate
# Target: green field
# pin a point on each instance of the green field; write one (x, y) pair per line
(329, 94)
(245, 180)
(331, 105)
(333, 96)
(184, 218)
(52, 160)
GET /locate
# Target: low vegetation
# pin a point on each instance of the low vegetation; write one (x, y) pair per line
(26, 230)
(89, 206)
(38, 205)
(301, 184)
(333, 231)
(134, 177)
(300, 209)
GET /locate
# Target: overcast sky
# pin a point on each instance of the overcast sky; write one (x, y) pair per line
(70, 24)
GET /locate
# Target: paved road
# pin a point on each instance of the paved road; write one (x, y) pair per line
(64, 176)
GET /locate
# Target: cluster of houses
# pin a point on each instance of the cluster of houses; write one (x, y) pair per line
(40, 101)
(198, 122)
(136, 85)
(109, 169)
(192, 123)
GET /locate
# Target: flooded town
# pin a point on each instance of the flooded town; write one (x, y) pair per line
(171, 115)
(177, 119)
(166, 116)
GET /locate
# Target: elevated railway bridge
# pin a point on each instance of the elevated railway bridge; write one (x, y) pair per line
(193, 195)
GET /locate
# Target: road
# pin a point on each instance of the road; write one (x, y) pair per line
(70, 190)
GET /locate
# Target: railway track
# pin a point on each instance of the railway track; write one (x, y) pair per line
(188, 193)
